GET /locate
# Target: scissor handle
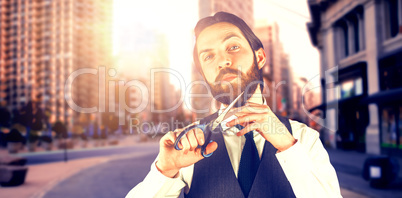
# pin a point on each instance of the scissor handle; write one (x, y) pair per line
(185, 131)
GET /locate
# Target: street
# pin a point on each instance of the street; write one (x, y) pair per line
(111, 179)
(115, 178)
(113, 171)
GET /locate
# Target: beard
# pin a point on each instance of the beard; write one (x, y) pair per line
(226, 92)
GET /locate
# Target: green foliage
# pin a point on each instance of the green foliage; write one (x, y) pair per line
(33, 137)
(5, 117)
(46, 139)
(14, 136)
(111, 121)
(60, 129)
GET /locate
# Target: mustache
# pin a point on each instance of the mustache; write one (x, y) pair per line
(227, 71)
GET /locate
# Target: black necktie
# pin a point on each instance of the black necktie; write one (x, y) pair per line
(249, 163)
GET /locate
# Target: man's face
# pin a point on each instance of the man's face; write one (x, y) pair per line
(227, 61)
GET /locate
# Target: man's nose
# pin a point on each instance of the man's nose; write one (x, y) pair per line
(225, 62)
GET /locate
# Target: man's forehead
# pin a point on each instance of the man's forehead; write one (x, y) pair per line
(218, 32)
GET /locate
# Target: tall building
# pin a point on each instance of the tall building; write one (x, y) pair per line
(360, 43)
(304, 98)
(42, 42)
(144, 56)
(202, 106)
(277, 72)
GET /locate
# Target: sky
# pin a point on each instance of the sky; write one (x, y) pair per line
(174, 18)
(292, 16)
(177, 18)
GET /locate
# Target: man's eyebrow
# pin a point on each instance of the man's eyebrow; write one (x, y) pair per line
(204, 50)
(223, 40)
(229, 36)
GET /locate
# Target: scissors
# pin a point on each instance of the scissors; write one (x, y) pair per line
(207, 128)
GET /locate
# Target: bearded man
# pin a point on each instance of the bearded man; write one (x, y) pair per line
(257, 153)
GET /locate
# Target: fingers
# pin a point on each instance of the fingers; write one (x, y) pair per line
(200, 136)
(169, 139)
(211, 147)
(245, 119)
(186, 144)
(264, 127)
(191, 140)
(250, 113)
(248, 128)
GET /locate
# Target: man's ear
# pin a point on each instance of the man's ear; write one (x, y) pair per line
(261, 57)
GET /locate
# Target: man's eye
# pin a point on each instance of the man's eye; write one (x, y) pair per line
(233, 48)
(207, 57)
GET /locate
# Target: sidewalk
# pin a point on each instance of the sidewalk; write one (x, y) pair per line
(41, 178)
(349, 166)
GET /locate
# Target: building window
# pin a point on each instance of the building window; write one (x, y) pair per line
(354, 21)
(352, 82)
(351, 88)
(388, 127)
(349, 33)
(391, 72)
(343, 39)
(391, 127)
(393, 18)
(399, 119)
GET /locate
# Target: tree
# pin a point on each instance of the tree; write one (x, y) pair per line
(34, 121)
(60, 129)
(14, 136)
(5, 117)
(110, 121)
(47, 136)
(83, 123)
(37, 121)
(24, 117)
(14, 140)
(46, 118)
(61, 132)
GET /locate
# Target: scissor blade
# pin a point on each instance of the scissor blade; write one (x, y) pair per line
(221, 117)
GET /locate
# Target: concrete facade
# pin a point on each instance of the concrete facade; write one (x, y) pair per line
(359, 42)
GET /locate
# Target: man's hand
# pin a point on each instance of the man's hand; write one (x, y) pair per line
(260, 118)
(170, 160)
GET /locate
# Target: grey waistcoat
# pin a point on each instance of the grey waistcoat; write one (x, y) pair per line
(214, 176)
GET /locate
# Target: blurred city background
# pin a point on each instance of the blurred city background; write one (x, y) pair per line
(87, 88)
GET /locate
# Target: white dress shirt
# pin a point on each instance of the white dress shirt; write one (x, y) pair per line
(306, 165)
